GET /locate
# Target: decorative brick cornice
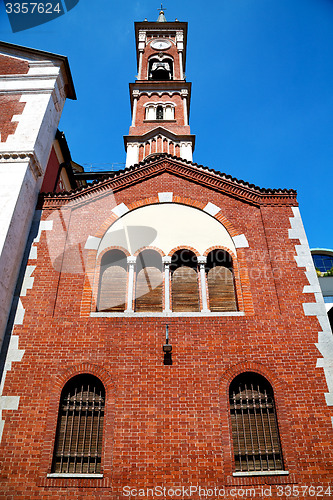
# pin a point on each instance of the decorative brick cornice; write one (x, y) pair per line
(157, 164)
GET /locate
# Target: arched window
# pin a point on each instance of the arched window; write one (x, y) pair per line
(185, 291)
(159, 113)
(78, 443)
(149, 282)
(255, 431)
(220, 282)
(112, 283)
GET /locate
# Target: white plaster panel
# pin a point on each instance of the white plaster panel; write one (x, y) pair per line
(211, 209)
(92, 243)
(165, 197)
(11, 180)
(132, 154)
(186, 151)
(240, 241)
(167, 226)
(45, 68)
(120, 210)
(15, 220)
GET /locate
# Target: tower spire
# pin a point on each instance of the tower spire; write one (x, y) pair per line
(161, 18)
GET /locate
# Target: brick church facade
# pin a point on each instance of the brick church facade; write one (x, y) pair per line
(174, 336)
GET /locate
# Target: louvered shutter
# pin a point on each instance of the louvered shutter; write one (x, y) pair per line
(185, 292)
(149, 290)
(112, 295)
(221, 289)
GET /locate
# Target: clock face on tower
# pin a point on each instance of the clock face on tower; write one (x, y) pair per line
(160, 44)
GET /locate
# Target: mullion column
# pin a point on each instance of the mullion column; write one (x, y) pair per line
(203, 283)
(166, 263)
(130, 286)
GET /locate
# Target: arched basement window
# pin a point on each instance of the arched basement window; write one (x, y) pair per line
(113, 281)
(78, 443)
(184, 284)
(255, 431)
(149, 282)
(220, 280)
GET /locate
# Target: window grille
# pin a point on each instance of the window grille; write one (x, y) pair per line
(78, 444)
(254, 425)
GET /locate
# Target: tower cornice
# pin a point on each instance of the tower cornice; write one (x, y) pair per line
(170, 87)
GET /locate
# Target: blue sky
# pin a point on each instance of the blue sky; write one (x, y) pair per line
(262, 88)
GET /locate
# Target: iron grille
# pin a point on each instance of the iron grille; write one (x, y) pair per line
(78, 445)
(254, 425)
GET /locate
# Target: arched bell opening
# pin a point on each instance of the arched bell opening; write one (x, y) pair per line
(160, 69)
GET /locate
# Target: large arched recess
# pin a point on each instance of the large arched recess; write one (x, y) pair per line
(181, 223)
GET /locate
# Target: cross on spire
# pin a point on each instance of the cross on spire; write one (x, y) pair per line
(161, 17)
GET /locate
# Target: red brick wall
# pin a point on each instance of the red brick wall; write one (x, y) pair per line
(143, 126)
(10, 105)
(170, 52)
(12, 66)
(166, 425)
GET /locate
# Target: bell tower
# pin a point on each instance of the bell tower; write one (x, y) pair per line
(160, 96)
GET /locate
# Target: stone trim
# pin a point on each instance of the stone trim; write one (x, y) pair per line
(132, 314)
(212, 209)
(325, 339)
(165, 197)
(240, 241)
(14, 354)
